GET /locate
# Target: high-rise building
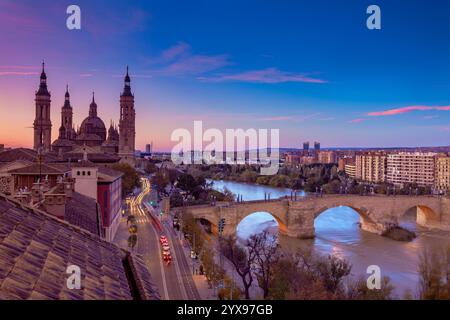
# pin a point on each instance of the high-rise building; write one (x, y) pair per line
(443, 173)
(305, 146)
(127, 130)
(148, 148)
(42, 124)
(316, 146)
(411, 167)
(350, 170)
(371, 166)
(344, 161)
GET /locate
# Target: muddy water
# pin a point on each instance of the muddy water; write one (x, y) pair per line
(338, 233)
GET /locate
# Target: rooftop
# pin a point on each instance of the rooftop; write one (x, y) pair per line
(36, 248)
(23, 154)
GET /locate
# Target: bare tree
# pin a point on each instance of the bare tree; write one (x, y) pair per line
(242, 261)
(265, 248)
(434, 273)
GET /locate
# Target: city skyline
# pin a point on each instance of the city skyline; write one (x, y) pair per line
(327, 78)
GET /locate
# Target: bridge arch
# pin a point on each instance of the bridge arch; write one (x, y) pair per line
(425, 215)
(282, 228)
(366, 222)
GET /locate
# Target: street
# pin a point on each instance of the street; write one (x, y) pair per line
(174, 281)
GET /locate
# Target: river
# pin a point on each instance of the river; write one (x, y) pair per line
(338, 233)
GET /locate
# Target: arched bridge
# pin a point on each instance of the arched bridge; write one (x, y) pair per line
(296, 218)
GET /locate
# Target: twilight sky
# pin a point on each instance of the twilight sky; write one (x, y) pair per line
(310, 68)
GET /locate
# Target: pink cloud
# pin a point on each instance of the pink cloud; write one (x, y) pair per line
(86, 75)
(269, 75)
(196, 64)
(20, 16)
(392, 112)
(181, 48)
(277, 118)
(17, 73)
(296, 118)
(180, 60)
(357, 120)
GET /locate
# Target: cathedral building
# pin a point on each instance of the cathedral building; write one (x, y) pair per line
(92, 134)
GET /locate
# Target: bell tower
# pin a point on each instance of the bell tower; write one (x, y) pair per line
(127, 130)
(65, 131)
(42, 124)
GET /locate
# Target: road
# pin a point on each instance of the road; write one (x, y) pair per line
(174, 281)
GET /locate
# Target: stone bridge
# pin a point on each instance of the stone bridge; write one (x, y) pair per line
(296, 218)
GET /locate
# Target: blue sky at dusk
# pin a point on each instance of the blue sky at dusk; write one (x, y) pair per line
(310, 68)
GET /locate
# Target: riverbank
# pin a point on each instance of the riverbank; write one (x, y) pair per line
(337, 232)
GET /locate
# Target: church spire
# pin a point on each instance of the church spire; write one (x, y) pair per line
(67, 98)
(93, 107)
(43, 91)
(127, 86)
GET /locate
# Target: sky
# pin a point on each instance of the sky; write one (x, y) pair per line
(311, 69)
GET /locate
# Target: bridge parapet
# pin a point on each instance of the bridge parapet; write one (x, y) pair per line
(296, 217)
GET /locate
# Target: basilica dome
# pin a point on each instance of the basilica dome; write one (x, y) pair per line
(93, 125)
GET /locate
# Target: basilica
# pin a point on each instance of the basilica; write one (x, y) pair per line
(92, 134)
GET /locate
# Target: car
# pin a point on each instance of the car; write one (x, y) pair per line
(167, 257)
(162, 239)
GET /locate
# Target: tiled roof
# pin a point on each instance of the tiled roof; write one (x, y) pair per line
(109, 174)
(36, 249)
(44, 169)
(82, 212)
(94, 157)
(23, 154)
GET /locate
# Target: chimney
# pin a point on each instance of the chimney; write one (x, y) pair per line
(55, 203)
(36, 192)
(69, 187)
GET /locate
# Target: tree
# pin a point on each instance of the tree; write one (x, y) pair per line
(331, 271)
(187, 183)
(130, 178)
(160, 182)
(132, 241)
(241, 260)
(151, 168)
(230, 288)
(131, 219)
(193, 232)
(359, 290)
(265, 248)
(176, 199)
(434, 274)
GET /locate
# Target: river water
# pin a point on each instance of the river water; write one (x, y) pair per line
(338, 233)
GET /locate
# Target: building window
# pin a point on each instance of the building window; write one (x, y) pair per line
(89, 173)
(78, 173)
(84, 173)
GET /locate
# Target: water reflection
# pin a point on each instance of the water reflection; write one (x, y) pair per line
(337, 232)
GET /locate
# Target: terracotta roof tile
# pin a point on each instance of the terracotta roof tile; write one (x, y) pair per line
(36, 248)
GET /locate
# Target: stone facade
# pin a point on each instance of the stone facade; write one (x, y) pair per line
(296, 218)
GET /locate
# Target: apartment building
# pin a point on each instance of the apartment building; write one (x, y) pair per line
(411, 167)
(350, 170)
(371, 167)
(443, 173)
(327, 157)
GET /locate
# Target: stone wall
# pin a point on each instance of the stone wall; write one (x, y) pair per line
(296, 218)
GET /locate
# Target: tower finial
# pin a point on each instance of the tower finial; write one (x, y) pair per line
(93, 96)
(67, 95)
(43, 65)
